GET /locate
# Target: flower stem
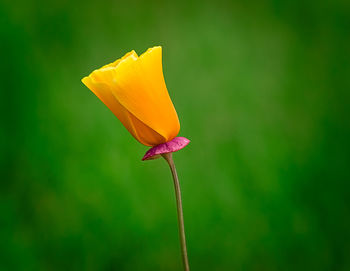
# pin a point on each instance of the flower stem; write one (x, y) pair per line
(169, 158)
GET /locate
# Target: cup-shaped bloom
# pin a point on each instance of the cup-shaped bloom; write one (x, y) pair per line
(133, 88)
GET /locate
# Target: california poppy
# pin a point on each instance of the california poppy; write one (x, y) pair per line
(133, 88)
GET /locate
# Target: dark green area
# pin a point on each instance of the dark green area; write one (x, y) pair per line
(261, 89)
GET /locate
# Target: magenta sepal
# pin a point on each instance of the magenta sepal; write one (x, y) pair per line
(174, 145)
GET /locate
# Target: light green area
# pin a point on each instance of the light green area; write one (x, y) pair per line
(262, 91)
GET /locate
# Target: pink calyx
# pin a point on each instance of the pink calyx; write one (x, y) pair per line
(174, 145)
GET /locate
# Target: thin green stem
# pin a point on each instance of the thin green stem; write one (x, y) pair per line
(169, 158)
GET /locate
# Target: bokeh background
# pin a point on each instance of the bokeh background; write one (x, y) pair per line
(261, 89)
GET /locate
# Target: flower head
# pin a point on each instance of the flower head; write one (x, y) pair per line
(133, 88)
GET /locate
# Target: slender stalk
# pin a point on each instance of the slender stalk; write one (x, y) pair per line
(169, 158)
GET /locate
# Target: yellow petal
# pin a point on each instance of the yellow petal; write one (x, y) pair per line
(115, 63)
(140, 131)
(138, 84)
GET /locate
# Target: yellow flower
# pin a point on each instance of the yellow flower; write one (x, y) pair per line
(133, 88)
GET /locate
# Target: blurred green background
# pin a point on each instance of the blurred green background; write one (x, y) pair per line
(261, 89)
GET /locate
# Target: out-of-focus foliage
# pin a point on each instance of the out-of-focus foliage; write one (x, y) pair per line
(261, 89)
